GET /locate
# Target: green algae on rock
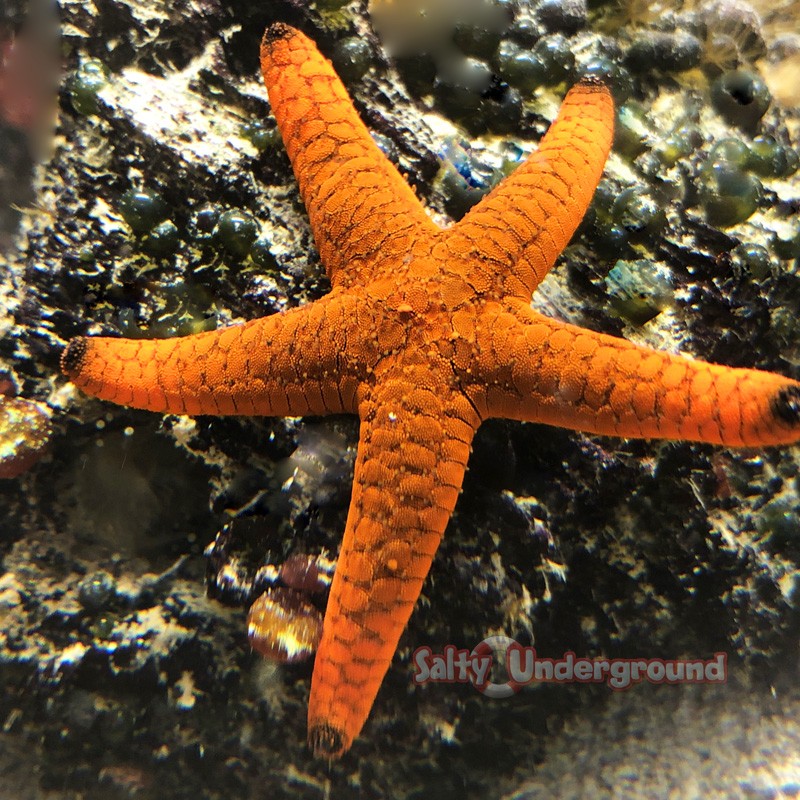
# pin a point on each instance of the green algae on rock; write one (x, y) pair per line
(639, 290)
(85, 84)
(236, 231)
(741, 97)
(549, 62)
(352, 58)
(203, 222)
(463, 178)
(262, 135)
(262, 256)
(729, 194)
(751, 260)
(162, 240)
(664, 52)
(770, 158)
(638, 213)
(142, 209)
(96, 591)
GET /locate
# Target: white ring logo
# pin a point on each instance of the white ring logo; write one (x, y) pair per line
(492, 646)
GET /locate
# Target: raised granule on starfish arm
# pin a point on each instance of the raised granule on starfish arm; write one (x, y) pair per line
(427, 333)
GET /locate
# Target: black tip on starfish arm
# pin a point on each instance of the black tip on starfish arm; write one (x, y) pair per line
(73, 355)
(593, 83)
(326, 741)
(786, 405)
(275, 32)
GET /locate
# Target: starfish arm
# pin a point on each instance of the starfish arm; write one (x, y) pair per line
(413, 451)
(359, 206)
(563, 375)
(514, 235)
(285, 364)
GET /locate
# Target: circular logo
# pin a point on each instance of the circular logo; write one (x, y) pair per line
(496, 647)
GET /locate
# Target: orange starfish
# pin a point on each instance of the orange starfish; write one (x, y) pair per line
(426, 333)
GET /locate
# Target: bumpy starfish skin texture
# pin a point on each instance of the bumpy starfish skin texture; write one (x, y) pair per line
(426, 333)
